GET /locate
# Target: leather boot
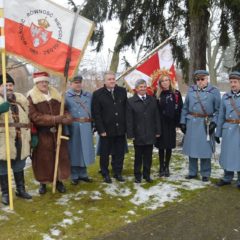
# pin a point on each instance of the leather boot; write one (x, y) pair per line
(4, 188)
(20, 186)
(162, 167)
(167, 172)
(60, 187)
(42, 188)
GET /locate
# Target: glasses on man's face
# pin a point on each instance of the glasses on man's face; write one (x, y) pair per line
(200, 79)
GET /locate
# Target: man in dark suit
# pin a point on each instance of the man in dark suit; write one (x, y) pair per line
(143, 126)
(108, 108)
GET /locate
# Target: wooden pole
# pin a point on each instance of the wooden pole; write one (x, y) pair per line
(68, 60)
(146, 57)
(6, 116)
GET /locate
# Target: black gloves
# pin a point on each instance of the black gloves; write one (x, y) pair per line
(217, 140)
(183, 128)
(212, 127)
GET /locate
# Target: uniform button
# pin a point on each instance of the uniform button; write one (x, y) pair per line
(117, 124)
(116, 113)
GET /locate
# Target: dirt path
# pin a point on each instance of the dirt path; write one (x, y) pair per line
(212, 214)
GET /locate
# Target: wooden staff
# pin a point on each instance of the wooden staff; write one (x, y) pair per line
(146, 57)
(68, 60)
(6, 115)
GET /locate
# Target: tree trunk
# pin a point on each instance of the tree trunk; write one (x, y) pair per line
(198, 39)
(115, 56)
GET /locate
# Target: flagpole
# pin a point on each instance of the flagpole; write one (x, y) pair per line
(6, 115)
(59, 133)
(146, 57)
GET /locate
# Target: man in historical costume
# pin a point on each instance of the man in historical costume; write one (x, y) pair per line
(143, 126)
(228, 128)
(19, 137)
(198, 123)
(81, 148)
(44, 110)
(109, 107)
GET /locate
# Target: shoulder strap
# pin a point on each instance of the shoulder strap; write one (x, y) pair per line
(234, 106)
(200, 102)
(77, 99)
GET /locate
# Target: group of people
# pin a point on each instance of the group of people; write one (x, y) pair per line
(147, 120)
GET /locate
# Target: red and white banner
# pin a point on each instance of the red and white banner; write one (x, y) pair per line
(151, 69)
(39, 31)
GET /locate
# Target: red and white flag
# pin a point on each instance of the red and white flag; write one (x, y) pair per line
(151, 69)
(39, 31)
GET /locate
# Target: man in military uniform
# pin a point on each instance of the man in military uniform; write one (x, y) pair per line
(228, 128)
(198, 123)
(19, 137)
(81, 149)
(109, 107)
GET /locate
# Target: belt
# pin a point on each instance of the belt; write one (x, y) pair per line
(200, 115)
(82, 119)
(235, 121)
(17, 125)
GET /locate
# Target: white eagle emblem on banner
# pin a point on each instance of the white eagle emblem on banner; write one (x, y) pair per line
(39, 33)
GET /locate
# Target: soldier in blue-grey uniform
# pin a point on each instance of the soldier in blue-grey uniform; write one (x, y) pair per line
(198, 123)
(81, 148)
(228, 128)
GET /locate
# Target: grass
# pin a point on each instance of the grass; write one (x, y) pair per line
(85, 212)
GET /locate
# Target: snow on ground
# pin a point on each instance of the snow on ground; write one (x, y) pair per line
(117, 189)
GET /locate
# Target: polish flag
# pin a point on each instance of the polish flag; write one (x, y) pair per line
(152, 68)
(39, 32)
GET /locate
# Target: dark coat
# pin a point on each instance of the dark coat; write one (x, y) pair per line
(108, 113)
(143, 122)
(41, 113)
(170, 106)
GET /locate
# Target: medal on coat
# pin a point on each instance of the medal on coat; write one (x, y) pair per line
(53, 129)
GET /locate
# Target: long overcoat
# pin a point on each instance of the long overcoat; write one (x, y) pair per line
(170, 105)
(195, 143)
(41, 113)
(22, 104)
(143, 123)
(230, 133)
(110, 113)
(81, 147)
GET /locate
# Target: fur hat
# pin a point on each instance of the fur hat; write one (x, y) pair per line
(40, 76)
(9, 79)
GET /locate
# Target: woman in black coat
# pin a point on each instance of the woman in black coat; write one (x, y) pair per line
(170, 105)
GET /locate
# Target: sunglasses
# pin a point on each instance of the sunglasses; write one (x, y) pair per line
(200, 79)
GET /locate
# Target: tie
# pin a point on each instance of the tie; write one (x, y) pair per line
(143, 98)
(112, 93)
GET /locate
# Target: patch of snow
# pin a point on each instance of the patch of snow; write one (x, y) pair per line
(95, 195)
(47, 237)
(155, 196)
(65, 222)
(131, 212)
(55, 232)
(4, 218)
(67, 213)
(117, 190)
(64, 199)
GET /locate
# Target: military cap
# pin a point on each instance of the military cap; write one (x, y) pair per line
(201, 72)
(234, 75)
(77, 78)
(9, 79)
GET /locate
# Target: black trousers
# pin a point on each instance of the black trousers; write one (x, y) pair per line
(143, 157)
(114, 146)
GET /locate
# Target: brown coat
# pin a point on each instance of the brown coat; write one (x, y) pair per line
(41, 113)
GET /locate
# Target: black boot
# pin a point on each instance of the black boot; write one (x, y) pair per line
(168, 157)
(42, 188)
(4, 188)
(20, 186)
(60, 187)
(161, 163)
